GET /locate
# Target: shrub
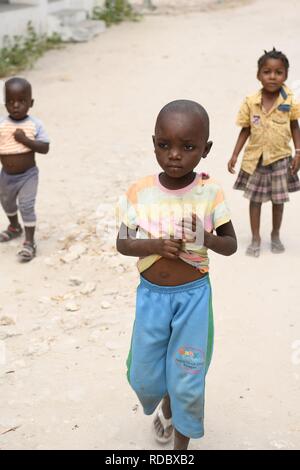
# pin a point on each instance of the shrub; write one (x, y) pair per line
(115, 11)
(20, 52)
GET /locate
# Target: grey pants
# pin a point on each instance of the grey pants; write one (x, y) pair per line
(21, 189)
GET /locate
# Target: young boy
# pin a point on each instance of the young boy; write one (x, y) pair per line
(175, 215)
(21, 136)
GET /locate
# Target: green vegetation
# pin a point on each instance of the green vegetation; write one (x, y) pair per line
(21, 52)
(115, 11)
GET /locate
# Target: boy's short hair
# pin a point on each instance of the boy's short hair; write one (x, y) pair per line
(186, 106)
(273, 54)
(20, 81)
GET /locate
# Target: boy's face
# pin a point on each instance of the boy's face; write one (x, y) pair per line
(272, 75)
(18, 100)
(180, 141)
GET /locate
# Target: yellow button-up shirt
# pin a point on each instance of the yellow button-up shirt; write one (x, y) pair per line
(270, 132)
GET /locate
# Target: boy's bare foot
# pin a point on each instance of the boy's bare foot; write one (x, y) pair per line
(254, 248)
(162, 424)
(181, 442)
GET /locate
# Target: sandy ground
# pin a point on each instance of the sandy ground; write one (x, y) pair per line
(67, 316)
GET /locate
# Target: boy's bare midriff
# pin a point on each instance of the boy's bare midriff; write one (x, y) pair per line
(166, 272)
(17, 163)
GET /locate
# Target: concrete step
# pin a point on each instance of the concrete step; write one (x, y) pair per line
(86, 30)
(75, 27)
(71, 16)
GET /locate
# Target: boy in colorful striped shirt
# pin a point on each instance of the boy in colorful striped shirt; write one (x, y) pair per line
(168, 222)
(21, 136)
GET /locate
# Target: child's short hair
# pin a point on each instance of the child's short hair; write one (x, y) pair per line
(273, 54)
(188, 106)
(18, 81)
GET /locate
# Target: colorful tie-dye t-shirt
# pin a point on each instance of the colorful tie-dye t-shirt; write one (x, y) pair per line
(155, 212)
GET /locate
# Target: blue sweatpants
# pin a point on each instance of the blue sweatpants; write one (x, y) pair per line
(171, 349)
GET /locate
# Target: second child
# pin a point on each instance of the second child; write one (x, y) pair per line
(21, 136)
(269, 119)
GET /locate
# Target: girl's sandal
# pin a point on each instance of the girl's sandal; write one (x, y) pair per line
(277, 246)
(253, 250)
(167, 427)
(27, 253)
(10, 233)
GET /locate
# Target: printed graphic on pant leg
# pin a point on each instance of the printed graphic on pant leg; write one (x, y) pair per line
(189, 359)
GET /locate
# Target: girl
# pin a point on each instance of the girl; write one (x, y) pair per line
(268, 173)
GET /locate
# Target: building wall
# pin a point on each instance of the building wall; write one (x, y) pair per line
(15, 17)
(14, 20)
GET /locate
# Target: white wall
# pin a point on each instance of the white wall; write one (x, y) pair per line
(14, 21)
(58, 5)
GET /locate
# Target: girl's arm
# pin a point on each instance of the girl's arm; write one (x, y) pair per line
(242, 138)
(295, 130)
(129, 245)
(224, 243)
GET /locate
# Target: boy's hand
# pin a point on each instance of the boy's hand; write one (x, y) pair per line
(167, 248)
(295, 165)
(231, 164)
(20, 136)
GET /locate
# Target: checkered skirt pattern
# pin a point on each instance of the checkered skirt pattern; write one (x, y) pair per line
(269, 183)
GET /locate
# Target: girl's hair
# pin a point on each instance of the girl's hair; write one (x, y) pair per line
(273, 54)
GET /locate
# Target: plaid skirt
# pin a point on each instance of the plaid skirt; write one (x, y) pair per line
(269, 183)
